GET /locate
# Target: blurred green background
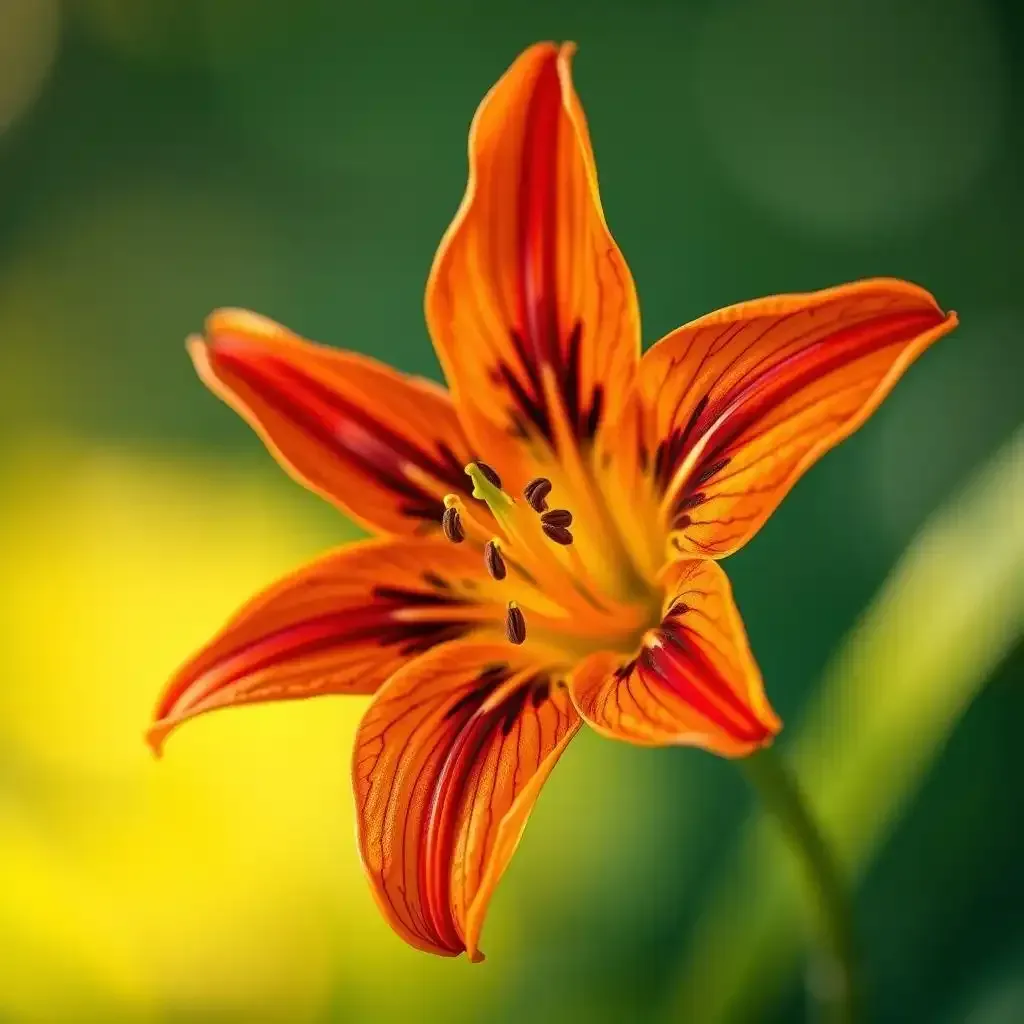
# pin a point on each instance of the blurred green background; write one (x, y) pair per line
(159, 158)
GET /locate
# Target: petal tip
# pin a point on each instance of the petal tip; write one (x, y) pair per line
(155, 736)
(195, 345)
(545, 47)
(199, 352)
(231, 328)
(772, 726)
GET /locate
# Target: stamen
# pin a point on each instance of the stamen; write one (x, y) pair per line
(451, 525)
(557, 517)
(515, 624)
(527, 537)
(493, 560)
(520, 529)
(491, 475)
(477, 528)
(536, 491)
(559, 534)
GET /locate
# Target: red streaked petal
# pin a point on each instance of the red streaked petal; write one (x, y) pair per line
(382, 446)
(449, 760)
(530, 304)
(342, 624)
(743, 401)
(694, 681)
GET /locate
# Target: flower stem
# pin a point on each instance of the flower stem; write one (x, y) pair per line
(834, 987)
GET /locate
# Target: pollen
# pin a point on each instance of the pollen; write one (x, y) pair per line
(536, 492)
(559, 534)
(515, 624)
(557, 517)
(493, 560)
(451, 525)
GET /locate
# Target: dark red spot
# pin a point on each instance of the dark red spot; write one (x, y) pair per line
(540, 692)
(709, 471)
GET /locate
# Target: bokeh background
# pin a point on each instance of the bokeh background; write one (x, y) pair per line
(159, 158)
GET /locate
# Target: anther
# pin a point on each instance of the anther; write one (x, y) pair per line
(515, 624)
(536, 491)
(451, 525)
(557, 517)
(492, 477)
(494, 562)
(559, 534)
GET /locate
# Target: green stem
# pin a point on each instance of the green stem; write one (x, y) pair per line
(835, 990)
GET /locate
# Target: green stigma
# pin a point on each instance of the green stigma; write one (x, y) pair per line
(496, 499)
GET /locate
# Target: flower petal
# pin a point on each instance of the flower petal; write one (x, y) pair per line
(741, 402)
(449, 760)
(341, 624)
(382, 446)
(694, 681)
(530, 304)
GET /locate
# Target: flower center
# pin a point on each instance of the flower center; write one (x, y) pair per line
(550, 592)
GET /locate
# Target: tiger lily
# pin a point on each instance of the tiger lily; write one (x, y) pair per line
(548, 530)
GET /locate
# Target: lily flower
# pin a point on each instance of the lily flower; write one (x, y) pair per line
(548, 529)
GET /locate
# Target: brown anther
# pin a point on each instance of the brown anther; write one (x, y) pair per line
(559, 534)
(451, 525)
(557, 517)
(494, 562)
(515, 624)
(536, 491)
(492, 477)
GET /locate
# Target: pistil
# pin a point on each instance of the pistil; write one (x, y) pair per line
(540, 544)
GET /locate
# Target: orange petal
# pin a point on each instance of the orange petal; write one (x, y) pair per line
(382, 446)
(530, 304)
(449, 760)
(741, 402)
(342, 624)
(694, 681)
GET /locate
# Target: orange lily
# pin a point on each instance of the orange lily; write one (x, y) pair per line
(490, 619)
